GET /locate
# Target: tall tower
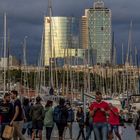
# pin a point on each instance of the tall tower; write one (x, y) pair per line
(64, 34)
(99, 31)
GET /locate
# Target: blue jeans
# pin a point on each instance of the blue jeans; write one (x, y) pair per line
(88, 131)
(101, 131)
(113, 127)
(27, 126)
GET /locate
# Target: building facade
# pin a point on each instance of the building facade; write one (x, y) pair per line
(60, 34)
(99, 37)
(84, 32)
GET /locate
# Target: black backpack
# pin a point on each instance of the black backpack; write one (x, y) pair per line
(60, 114)
(26, 110)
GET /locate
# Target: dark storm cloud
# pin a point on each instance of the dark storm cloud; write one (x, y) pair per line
(71, 7)
(25, 18)
(123, 12)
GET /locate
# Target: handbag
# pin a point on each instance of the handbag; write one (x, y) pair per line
(8, 132)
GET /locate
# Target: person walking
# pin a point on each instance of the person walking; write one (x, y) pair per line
(122, 126)
(89, 124)
(48, 120)
(60, 117)
(99, 112)
(80, 120)
(114, 121)
(70, 119)
(37, 116)
(18, 117)
(6, 111)
(27, 121)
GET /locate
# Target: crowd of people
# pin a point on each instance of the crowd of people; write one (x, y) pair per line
(101, 118)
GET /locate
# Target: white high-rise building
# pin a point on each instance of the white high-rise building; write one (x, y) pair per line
(97, 27)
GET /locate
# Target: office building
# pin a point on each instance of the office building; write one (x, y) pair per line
(96, 25)
(60, 35)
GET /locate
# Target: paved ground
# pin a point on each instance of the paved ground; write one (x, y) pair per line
(127, 134)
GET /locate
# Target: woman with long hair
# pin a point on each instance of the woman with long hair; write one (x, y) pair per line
(80, 120)
(48, 120)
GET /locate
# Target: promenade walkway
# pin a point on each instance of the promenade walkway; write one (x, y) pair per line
(127, 134)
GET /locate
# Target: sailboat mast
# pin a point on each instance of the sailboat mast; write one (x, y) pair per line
(137, 67)
(4, 52)
(122, 54)
(41, 65)
(88, 74)
(67, 72)
(25, 64)
(8, 53)
(138, 73)
(51, 49)
(136, 56)
(129, 50)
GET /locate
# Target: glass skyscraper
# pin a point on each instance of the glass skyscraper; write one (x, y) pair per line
(98, 26)
(60, 34)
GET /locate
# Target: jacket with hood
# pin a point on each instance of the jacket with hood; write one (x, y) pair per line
(37, 112)
(48, 120)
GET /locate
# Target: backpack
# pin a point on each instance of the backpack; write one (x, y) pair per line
(26, 110)
(60, 115)
(70, 115)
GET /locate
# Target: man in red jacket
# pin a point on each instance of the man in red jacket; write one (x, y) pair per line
(114, 121)
(99, 111)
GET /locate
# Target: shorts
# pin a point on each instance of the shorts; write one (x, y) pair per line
(114, 128)
(37, 125)
(27, 125)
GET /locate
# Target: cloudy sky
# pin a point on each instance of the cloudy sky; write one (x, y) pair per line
(25, 18)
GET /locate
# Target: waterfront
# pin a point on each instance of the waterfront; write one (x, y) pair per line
(76, 58)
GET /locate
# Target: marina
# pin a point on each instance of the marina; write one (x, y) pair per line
(85, 80)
